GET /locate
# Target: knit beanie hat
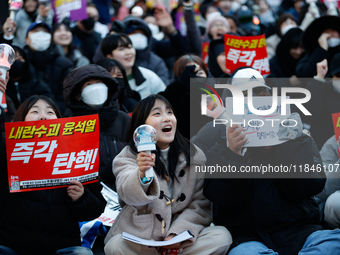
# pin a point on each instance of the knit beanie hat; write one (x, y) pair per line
(211, 22)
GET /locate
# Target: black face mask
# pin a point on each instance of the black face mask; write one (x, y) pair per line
(88, 23)
(18, 69)
(121, 83)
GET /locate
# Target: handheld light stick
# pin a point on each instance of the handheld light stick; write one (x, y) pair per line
(313, 8)
(332, 8)
(145, 138)
(7, 58)
(14, 7)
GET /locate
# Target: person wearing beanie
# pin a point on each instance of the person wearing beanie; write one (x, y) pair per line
(31, 12)
(216, 27)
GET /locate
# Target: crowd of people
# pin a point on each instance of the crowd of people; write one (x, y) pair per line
(132, 63)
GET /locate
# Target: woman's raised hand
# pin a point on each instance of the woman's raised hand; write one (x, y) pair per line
(145, 161)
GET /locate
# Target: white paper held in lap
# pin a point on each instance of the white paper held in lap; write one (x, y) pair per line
(177, 239)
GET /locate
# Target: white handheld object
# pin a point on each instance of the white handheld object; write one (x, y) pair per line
(7, 58)
(313, 9)
(145, 138)
(14, 7)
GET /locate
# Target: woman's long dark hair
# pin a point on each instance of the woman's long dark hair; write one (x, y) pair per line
(110, 64)
(178, 146)
(29, 102)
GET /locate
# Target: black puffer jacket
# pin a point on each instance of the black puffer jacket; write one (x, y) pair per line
(281, 213)
(22, 85)
(42, 222)
(51, 68)
(113, 123)
(323, 103)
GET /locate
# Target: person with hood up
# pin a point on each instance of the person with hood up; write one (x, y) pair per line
(49, 66)
(141, 38)
(92, 90)
(288, 53)
(216, 61)
(321, 40)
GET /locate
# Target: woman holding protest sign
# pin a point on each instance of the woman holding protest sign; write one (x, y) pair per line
(44, 221)
(172, 201)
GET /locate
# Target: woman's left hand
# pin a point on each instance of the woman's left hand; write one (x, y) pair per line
(76, 190)
(173, 246)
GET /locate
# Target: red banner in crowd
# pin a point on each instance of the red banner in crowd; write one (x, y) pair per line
(205, 51)
(246, 51)
(336, 124)
(48, 154)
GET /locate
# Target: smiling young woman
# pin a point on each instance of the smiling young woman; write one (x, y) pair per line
(172, 201)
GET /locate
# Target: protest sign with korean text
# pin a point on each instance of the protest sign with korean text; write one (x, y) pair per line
(73, 9)
(336, 124)
(261, 130)
(48, 154)
(246, 51)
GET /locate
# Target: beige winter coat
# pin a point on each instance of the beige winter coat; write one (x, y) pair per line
(144, 211)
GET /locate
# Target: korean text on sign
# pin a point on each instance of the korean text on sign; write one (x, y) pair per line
(50, 153)
(246, 51)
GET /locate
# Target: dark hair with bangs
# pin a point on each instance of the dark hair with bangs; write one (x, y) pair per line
(71, 47)
(179, 145)
(24, 108)
(283, 17)
(111, 64)
(114, 41)
(295, 39)
(181, 63)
